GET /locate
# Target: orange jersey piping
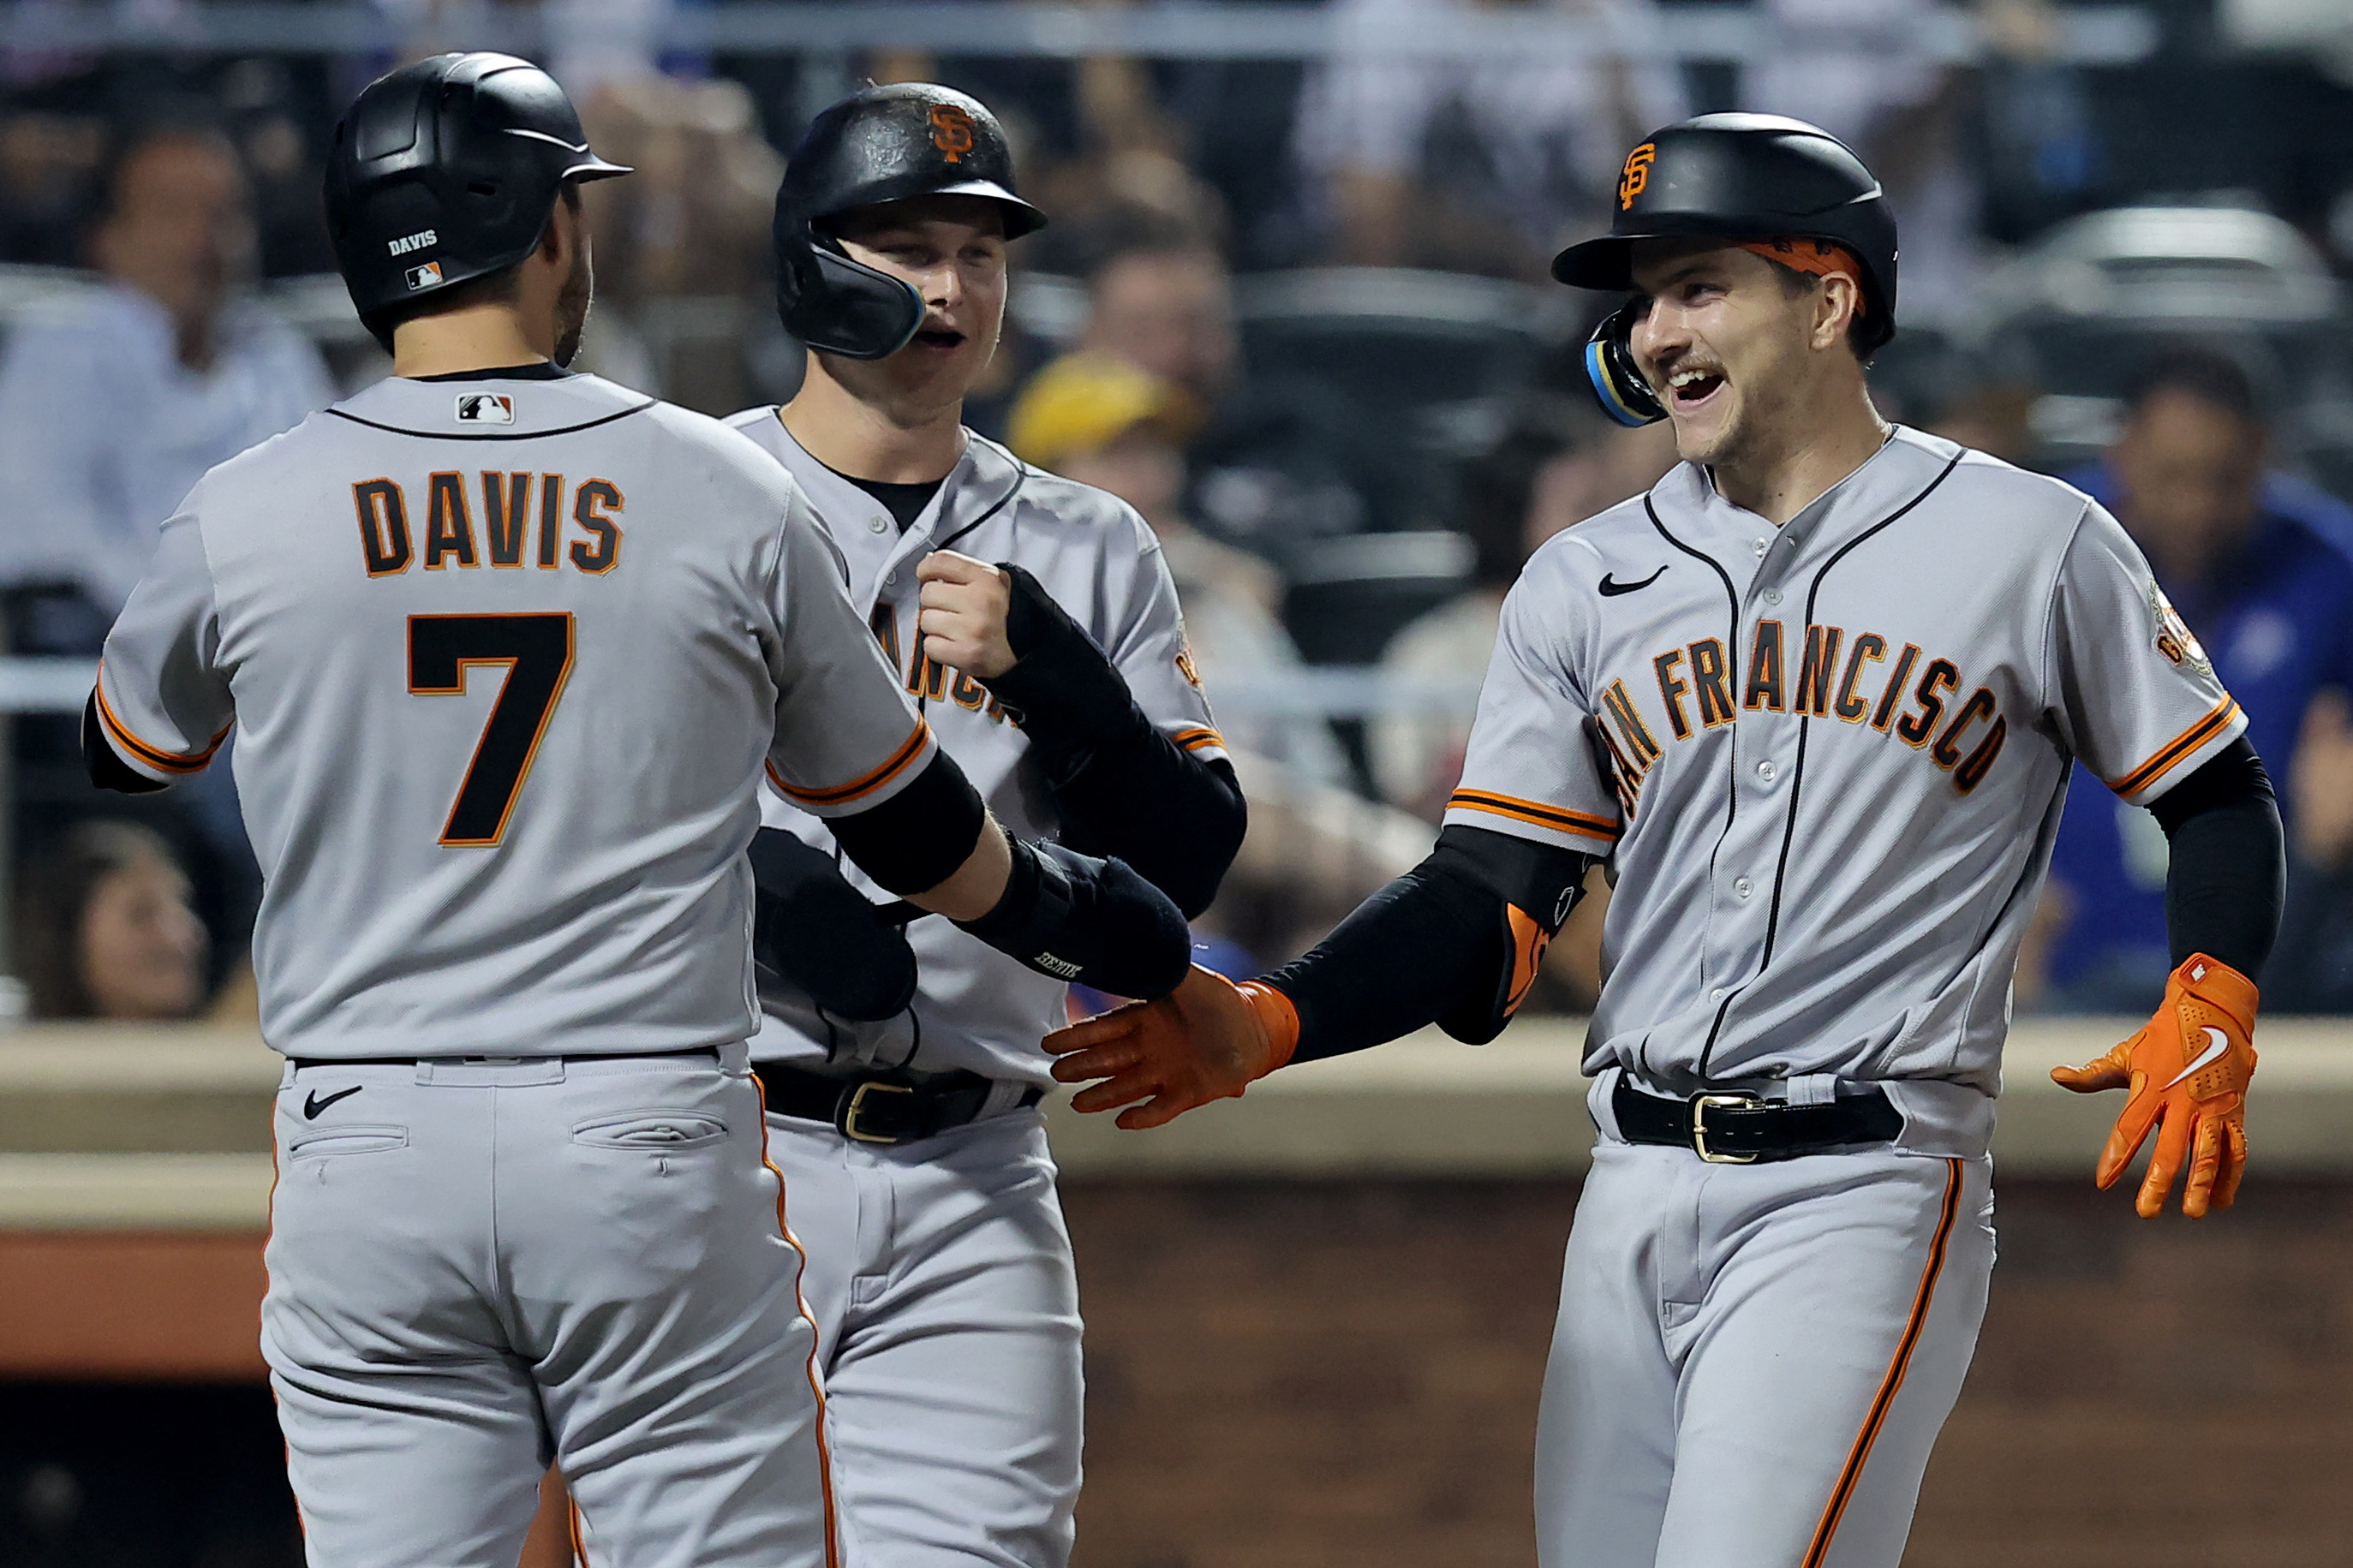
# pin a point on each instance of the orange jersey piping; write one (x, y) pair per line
(858, 788)
(1558, 818)
(154, 757)
(2216, 720)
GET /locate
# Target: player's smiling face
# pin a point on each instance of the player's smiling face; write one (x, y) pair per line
(1720, 330)
(952, 249)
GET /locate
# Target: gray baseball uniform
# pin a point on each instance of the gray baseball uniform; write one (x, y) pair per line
(1828, 761)
(523, 1199)
(940, 1271)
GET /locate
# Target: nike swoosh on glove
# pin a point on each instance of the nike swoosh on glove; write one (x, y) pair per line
(2187, 1073)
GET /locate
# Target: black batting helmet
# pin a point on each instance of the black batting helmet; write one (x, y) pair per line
(446, 171)
(1733, 177)
(880, 144)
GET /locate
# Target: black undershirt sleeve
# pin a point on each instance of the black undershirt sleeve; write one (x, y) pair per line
(2227, 875)
(1122, 787)
(1440, 945)
(107, 769)
(920, 836)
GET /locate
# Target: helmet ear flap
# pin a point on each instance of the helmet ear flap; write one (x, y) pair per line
(1617, 380)
(840, 306)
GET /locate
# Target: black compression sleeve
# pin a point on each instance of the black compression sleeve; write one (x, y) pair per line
(920, 836)
(1438, 945)
(107, 768)
(1120, 787)
(2227, 876)
(1178, 820)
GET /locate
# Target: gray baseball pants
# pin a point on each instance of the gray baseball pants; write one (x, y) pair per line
(947, 1312)
(1753, 1362)
(475, 1266)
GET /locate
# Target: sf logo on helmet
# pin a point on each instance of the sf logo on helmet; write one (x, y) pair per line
(951, 131)
(1637, 175)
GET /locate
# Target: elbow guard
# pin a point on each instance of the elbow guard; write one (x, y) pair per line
(812, 927)
(1529, 889)
(1094, 921)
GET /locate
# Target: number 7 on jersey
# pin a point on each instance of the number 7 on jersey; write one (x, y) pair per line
(537, 651)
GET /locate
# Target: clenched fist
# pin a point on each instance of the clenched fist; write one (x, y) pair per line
(965, 602)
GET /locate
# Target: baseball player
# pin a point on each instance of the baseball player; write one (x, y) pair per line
(904, 1071)
(1813, 700)
(511, 650)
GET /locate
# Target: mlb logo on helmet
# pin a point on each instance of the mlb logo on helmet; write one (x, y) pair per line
(485, 408)
(423, 277)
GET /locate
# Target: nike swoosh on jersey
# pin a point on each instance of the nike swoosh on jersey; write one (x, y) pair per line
(1611, 589)
(2217, 1043)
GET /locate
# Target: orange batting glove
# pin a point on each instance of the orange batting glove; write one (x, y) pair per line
(1208, 1039)
(2187, 1072)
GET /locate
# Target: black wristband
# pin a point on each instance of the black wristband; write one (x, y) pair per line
(1076, 917)
(1062, 690)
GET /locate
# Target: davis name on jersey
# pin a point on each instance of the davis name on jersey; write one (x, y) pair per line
(537, 731)
(588, 509)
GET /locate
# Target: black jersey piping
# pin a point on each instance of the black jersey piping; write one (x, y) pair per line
(494, 436)
(1805, 728)
(1003, 502)
(1732, 760)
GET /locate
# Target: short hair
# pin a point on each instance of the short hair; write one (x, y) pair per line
(1794, 283)
(2211, 375)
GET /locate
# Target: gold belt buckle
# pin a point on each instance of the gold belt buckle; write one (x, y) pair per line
(1699, 1107)
(849, 1113)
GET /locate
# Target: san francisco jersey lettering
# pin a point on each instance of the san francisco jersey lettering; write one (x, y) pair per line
(1829, 760)
(530, 679)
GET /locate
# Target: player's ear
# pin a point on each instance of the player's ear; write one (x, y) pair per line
(566, 228)
(1836, 300)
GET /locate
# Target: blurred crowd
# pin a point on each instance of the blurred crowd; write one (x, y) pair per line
(1295, 312)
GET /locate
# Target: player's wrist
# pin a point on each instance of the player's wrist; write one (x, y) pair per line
(1062, 688)
(2214, 983)
(1277, 1018)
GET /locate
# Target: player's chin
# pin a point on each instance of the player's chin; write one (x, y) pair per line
(1705, 428)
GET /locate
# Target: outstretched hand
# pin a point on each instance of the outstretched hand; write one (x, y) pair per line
(2186, 1073)
(1209, 1039)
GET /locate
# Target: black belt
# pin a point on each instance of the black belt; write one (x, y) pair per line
(515, 1060)
(1728, 1128)
(881, 1108)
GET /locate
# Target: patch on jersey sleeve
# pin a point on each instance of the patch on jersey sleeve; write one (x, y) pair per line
(1184, 666)
(2174, 639)
(485, 408)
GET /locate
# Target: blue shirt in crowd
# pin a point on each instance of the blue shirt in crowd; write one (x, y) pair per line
(2276, 617)
(103, 431)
